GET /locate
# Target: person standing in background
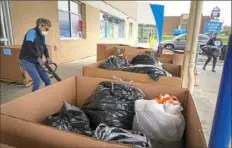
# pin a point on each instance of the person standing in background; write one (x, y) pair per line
(214, 41)
(32, 51)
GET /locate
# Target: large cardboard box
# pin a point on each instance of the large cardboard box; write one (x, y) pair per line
(92, 70)
(106, 50)
(175, 57)
(133, 54)
(21, 118)
(11, 70)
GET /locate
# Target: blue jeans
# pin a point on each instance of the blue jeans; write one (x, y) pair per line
(36, 74)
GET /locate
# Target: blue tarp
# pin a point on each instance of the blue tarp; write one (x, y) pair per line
(179, 31)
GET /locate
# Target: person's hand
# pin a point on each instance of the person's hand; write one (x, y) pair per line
(49, 61)
(41, 62)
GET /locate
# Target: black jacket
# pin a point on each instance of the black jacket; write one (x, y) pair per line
(34, 48)
(215, 42)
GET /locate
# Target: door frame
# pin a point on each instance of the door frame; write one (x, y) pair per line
(6, 26)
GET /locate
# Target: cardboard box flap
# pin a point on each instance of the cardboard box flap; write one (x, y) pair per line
(92, 70)
(175, 70)
(106, 50)
(131, 56)
(24, 134)
(38, 105)
(177, 58)
(194, 136)
(91, 84)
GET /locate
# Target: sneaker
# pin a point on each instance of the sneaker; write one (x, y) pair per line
(213, 70)
(203, 67)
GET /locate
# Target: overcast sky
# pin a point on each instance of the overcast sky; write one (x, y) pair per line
(176, 8)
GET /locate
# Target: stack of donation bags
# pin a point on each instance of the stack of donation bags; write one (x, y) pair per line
(118, 112)
(143, 63)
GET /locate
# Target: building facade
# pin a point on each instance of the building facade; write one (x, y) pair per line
(146, 22)
(180, 22)
(77, 26)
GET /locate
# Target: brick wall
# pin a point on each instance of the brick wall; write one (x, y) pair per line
(25, 13)
(170, 23)
(203, 20)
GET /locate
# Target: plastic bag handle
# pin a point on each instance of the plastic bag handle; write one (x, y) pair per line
(123, 82)
(130, 83)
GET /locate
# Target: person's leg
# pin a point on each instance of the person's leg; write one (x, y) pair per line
(214, 64)
(207, 62)
(44, 76)
(32, 71)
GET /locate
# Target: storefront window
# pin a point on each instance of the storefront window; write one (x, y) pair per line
(111, 27)
(144, 31)
(70, 19)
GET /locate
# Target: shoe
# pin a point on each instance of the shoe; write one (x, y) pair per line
(203, 67)
(213, 70)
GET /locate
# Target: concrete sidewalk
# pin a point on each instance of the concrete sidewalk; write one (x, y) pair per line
(12, 91)
(204, 95)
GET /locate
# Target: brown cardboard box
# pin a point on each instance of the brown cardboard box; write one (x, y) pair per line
(92, 70)
(130, 56)
(11, 69)
(177, 58)
(106, 50)
(21, 118)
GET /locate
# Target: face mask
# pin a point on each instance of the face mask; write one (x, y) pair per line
(44, 33)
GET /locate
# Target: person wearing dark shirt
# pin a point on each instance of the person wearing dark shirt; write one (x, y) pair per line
(32, 51)
(214, 41)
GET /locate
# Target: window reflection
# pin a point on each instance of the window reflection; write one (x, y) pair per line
(70, 19)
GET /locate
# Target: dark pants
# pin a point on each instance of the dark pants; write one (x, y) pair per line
(36, 74)
(214, 62)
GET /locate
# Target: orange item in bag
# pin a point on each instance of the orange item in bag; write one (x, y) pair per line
(161, 99)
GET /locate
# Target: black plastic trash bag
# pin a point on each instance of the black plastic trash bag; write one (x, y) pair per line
(211, 51)
(71, 119)
(114, 63)
(146, 60)
(112, 104)
(153, 71)
(119, 135)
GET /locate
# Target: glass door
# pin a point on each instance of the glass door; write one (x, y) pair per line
(6, 37)
(3, 38)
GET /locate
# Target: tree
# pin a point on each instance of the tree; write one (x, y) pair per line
(226, 30)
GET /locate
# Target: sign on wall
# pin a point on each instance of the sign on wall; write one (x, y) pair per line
(7, 51)
(211, 27)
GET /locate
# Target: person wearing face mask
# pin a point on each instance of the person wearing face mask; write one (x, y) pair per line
(32, 51)
(214, 41)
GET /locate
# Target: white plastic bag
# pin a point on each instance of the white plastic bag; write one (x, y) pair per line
(163, 123)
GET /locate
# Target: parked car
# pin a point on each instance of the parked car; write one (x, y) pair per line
(178, 43)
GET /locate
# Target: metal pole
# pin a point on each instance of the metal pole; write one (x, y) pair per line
(191, 44)
(196, 60)
(221, 130)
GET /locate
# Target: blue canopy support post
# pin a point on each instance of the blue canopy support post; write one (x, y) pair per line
(221, 130)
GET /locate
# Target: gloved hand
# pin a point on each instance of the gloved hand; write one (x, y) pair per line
(49, 61)
(41, 63)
